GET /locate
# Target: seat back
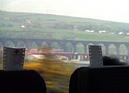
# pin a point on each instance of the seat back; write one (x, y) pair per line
(21, 82)
(100, 80)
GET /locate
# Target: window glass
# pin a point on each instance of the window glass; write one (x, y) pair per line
(56, 34)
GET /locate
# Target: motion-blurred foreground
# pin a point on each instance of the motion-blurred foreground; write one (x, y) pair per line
(55, 72)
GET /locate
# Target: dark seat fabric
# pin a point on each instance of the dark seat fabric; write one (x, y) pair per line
(100, 80)
(21, 82)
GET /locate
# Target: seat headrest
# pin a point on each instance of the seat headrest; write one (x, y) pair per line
(21, 82)
(100, 80)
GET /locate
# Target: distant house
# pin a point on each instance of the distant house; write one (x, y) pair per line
(120, 33)
(102, 31)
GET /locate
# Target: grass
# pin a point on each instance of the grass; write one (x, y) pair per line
(40, 26)
(64, 34)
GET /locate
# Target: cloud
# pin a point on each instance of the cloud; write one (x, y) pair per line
(100, 9)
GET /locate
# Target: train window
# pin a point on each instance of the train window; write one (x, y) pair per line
(57, 33)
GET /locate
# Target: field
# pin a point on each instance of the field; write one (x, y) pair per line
(19, 25)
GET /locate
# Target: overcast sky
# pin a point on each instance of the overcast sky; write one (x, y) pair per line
(114, 10)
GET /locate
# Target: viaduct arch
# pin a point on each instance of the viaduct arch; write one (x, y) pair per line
(119, 48)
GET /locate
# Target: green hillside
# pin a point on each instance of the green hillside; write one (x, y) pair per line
(30, 25)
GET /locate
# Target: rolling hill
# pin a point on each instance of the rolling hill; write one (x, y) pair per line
(31, 25)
